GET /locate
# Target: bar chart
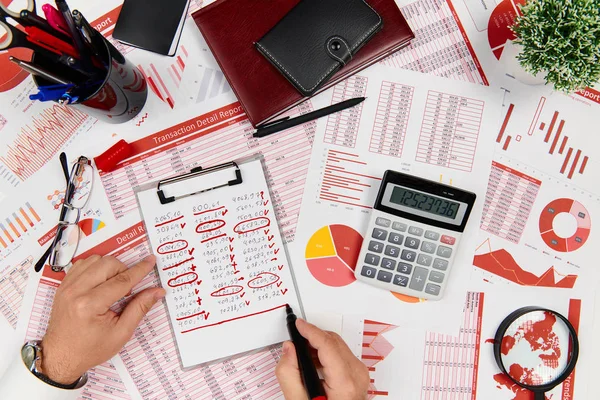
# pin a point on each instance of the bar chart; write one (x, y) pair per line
(345, 180)
(16, 224)
(554, 134)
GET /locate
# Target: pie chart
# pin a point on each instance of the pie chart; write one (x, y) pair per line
(551, 218)
(90, 225)
(331, 254)
(501, 19)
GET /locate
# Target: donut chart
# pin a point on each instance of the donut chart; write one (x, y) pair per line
(331, 254)
(547, 229)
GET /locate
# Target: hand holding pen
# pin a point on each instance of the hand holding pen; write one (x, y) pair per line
(345, 377)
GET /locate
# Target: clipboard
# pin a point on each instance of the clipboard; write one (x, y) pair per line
(195, 173)
(221, 259)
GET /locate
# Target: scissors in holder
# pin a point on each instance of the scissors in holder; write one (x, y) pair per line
(34, 39)
(26, 15)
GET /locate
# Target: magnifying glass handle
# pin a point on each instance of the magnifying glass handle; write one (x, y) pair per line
(539, 396)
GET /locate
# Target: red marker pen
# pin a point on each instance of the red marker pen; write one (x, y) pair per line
(308, 371)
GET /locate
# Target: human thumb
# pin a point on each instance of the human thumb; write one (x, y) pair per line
(288, 374)
(137, 308)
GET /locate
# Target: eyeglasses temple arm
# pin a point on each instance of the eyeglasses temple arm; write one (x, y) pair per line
(40, 264)
(65, 166)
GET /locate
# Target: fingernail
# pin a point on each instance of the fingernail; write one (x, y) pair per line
(151, 259)
(286, 347)
(159, 294)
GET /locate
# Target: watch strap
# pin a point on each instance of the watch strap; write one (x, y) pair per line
(49, 381)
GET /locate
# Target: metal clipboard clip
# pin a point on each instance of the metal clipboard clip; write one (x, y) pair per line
(194, 173)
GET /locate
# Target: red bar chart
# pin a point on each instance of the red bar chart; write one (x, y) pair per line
(376, 348)
(345, 180)
(553, 132)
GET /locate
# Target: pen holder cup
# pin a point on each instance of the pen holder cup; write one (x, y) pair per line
(117, 98)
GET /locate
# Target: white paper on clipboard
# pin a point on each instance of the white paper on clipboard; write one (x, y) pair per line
(222, 260)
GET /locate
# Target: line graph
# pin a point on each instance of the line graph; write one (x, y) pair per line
(501, 263)
(39, 140)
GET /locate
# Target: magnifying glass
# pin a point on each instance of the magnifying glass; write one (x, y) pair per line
(536, 348)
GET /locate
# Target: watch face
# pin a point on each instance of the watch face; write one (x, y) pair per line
(28, 354)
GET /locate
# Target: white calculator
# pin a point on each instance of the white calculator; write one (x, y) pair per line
(413, 235)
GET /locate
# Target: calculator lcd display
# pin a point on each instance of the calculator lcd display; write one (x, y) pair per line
(424, 202)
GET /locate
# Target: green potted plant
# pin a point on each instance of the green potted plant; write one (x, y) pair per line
(558, 42)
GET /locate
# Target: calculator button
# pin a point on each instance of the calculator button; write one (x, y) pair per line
(424, 259)
(440, 264)
(418, 278)
(408, 255)
(395, 238)
(432, 289)
(375, 246)
(384, 276)
(372, 259)
(436, 277)
(383, 222)
(368, 272)
(412, 243)
(432, 235)
(413, 230)
(379, 234)
(401, 280)
(428, 247)
(444, 251)
(448, 240)
(388, 263)
(399, 226)
(392, 251)
(404, 268)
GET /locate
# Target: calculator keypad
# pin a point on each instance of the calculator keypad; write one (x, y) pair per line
(384, 276)
(399, 226)
(401, 280)
(396, 238)
(392, 251)
(379, 234)
(408, 256)
(388, 264)
(404, 268)
(444, 251)
(372, 259)
(383, 222)
(440, 264)
(375, 246)
(412, 243)
(413, 230)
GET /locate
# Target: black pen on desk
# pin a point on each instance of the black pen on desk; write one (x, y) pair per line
(290, 123)
(308, 371)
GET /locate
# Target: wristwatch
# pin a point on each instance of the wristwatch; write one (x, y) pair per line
(31, 353)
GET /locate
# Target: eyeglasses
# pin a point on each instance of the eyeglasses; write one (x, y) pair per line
(77, 194)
